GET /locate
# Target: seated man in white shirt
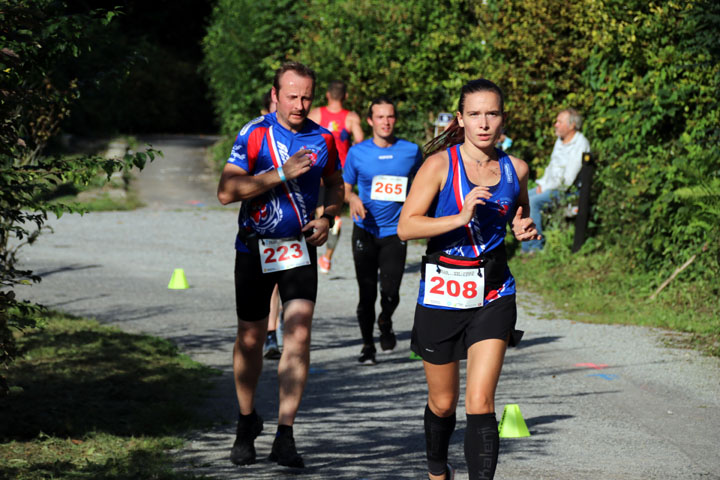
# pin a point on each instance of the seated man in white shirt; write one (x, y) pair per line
(565, 164)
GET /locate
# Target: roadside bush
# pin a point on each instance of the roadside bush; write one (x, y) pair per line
(655, 122)
(646, 77)
(43, 47)
(537, 53)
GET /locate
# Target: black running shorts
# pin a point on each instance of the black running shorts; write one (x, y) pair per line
(253, 288)
(442, 336)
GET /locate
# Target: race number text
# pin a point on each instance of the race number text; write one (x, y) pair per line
(454, 287)
(389, 188)
(278, 254)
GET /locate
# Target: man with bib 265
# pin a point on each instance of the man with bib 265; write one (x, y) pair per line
(275, 170)
(380, 167)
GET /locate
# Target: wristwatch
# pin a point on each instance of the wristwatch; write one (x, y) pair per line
(330, 219)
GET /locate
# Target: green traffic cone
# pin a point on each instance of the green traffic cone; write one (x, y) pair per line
(178, 280)
(512, 424)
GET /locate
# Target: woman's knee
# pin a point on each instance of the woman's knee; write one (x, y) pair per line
(478, 403)
(443, 405)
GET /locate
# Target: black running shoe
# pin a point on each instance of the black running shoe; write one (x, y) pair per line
(387, 336)
(243, 450)
(388, 341)
(284, 452)
(367, 355)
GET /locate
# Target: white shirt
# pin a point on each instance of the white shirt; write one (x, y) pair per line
(565, 163)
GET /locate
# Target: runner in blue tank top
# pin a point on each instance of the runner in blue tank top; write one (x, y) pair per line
(381, 167)
(462, 198)
(486, 230)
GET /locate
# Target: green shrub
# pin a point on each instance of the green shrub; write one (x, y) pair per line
(44, 48)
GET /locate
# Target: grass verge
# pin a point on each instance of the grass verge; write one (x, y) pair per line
(603, 287)
(104, 201)
(89, 401)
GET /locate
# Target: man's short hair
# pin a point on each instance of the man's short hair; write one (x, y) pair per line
(381, 100)
(297, 67)
(574, 118)
(337, 90)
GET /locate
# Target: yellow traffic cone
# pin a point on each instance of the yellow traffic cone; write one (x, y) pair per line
(178, 280)
(512, 424)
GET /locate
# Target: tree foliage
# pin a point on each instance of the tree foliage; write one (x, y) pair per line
(245, 43)
(654, 74)
(418, 52)
(646, 76)
(150, 79)
(538, 53)
(41, 47)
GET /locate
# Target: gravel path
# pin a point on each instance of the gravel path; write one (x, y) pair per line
(652, 413)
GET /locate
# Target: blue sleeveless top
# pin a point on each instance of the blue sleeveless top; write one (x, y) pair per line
(486, 231)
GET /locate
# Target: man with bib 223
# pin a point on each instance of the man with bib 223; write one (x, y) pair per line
(381, 167)
(275, 169)
(462, 198)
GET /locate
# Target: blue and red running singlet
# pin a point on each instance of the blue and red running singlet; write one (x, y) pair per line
(263, 145)
(486, 231)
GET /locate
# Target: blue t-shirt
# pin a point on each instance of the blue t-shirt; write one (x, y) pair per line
(264, 144)
(364, 161)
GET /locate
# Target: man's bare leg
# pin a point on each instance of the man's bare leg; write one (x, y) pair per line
(247, 365)
(295, 360)
(247, 361)
(292, 375)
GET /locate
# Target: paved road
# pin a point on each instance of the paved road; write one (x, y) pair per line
(652, 413)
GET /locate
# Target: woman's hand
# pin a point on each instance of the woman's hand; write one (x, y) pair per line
(524, 228)
(477, 196)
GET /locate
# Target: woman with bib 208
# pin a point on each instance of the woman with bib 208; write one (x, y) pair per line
(462, 198)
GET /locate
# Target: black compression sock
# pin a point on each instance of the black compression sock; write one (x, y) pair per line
(245, 421)
(482, 442)
(438, 431)
(284, 430)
